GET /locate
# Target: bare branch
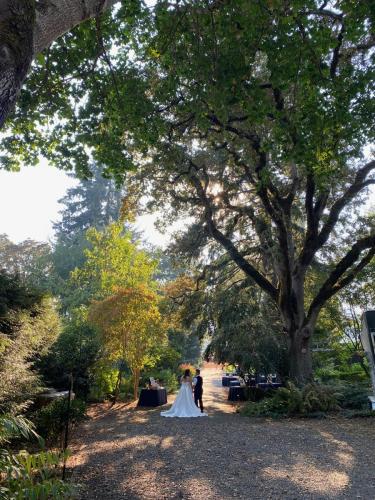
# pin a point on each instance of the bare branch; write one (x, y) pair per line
(313, 215)
(313, 239)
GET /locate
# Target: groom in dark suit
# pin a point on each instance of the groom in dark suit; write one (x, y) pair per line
(198, 389)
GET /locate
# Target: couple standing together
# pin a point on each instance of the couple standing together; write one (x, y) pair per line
(188, 397)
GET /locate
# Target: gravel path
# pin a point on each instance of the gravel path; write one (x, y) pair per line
(129, 453)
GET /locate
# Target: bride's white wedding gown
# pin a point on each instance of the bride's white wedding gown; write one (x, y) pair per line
(184, 405)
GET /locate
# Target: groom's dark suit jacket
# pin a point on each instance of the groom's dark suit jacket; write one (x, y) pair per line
(198, 389)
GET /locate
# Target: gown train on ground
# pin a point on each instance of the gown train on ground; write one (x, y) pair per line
(184, 405)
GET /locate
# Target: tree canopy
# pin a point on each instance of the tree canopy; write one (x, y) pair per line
(105, 74)
(131, 327)
(259, 114)
(113, 261)
(250, 117)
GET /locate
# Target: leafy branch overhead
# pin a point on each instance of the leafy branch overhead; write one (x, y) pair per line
(27, 28)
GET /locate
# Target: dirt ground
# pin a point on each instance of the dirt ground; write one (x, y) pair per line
(129, 453)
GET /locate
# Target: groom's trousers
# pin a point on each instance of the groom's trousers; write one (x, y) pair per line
(198, 399)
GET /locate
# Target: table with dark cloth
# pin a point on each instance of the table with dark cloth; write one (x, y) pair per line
(225, 381)
(267, 385)
(236, 393)
(153, 397)
(234, 383)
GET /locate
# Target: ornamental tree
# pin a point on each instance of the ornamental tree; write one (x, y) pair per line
(112, 261)
(131, 328)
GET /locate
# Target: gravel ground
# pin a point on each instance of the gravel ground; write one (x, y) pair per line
(129, 453)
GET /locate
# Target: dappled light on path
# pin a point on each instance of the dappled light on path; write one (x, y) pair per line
(129, 453)
(310, 478)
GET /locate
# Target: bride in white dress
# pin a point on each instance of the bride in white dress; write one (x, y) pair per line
(184, 405)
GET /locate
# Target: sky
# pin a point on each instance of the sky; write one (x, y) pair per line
(29, 204)
(29, 201)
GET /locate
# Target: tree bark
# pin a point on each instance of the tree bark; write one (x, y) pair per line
(26, 28)
(136, 374)
(300, 356)
(298, 328)
(17, 20)
(55, 18)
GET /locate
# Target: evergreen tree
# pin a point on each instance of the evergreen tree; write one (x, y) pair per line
(94, 202)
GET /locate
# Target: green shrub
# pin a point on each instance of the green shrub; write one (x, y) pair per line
(331, 374)
(28, 476)
(50, 420)
(284, 401)
(104, 376)
(290, 400)
(126, 389)
(319, 398)
(312, 400)
(76, 352)
(168, 379)
(353, 396)
(169, 358)
(267, 407)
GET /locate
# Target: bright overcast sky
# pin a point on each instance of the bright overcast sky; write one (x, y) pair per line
(29, 201)
(29, 204)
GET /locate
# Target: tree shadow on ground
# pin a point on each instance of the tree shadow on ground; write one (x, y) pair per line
(130, 453)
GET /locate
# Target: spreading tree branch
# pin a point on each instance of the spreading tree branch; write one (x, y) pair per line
(336, 53)
(237, 257)
(358, 185)
(314, 240)
(338, 278)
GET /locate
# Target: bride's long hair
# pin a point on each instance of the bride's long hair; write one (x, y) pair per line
(187, 373)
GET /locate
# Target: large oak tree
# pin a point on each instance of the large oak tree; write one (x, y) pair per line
(255, 115)
(259, 114)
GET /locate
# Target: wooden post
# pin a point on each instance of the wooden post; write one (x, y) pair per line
(66, 437)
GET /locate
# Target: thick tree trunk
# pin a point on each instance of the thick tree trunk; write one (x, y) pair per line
(300, 356)
(26, 28)
(298, 328)
(54, 18)
(17, 20)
